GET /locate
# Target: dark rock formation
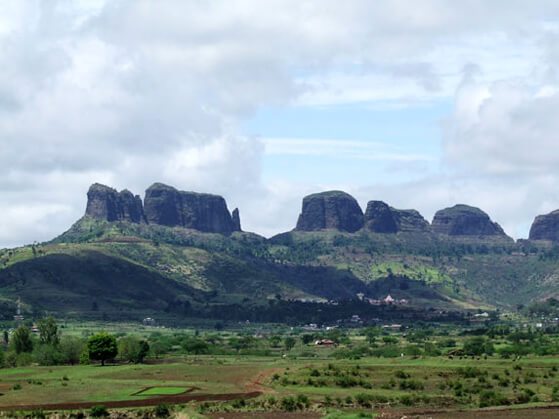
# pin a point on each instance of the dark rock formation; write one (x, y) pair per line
(463, 220)
(546, 227)
(330, 210)
(108, 204)
(381, 218)
(168, 206)
(236, 218)
(411, 221)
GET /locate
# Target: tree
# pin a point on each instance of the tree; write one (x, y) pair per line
(22, 341)
(133, 349)
(71, 348)
(102, 347)
(477, 346)
(371, 333)
(289, 343)
(48, 331)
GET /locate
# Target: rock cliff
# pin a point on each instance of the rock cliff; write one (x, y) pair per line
(108, 204)
(168, 206)
(464, 220)
(546, 227)
(334, 210)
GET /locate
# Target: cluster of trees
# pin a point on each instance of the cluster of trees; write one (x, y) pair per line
(50, 348)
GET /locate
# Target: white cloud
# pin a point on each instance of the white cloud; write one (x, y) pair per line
(129, 92)
(340, 148)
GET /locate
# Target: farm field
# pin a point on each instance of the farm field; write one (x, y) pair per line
(245, 386)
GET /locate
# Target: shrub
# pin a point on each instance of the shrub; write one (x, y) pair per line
(411, 385)
(161, 411)
(401, 374)
(37, 414)
(98, 412)
(363, 399)
(406, 400)
(491, 398)
(289, 404)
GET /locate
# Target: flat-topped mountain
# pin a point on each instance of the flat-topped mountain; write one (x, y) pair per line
(337, 210)
(546, 227)
(108, 204)
(464, 220)
(381, 218)
(334, 210)
(163, 205)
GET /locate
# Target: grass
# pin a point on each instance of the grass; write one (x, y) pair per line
(162, 391)
(429, 274)
(381, 380)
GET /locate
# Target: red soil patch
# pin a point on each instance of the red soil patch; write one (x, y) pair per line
(265, 415)
(154, 401)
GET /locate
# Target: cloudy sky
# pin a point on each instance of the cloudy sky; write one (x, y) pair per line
(422, 104)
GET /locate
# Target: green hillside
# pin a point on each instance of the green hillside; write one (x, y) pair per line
(122, 270)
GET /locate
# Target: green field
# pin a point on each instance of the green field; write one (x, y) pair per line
(318, 383)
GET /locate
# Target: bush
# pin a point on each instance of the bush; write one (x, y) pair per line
(46, 354)
(37, 414)
(98, 412)
(289, 404)
(411, 385)
(363, 399)
(492, 398)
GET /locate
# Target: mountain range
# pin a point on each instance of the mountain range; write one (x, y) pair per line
(179, 255)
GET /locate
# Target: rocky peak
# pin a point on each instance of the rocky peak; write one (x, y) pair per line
(546, 227)
(236, 218)
(168, 206)
(411, 220)
(335, 210)
(381, 218)
(464, 220)
(108, 204)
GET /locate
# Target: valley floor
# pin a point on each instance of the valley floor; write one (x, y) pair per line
(270, 387)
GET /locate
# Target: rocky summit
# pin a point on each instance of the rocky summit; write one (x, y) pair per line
(464, 220)
(546, 227)
(330, 210)
(381, 218)
(163, 205)
(168, 206)
(108, 204)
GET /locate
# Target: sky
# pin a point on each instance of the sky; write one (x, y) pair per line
(422, 104)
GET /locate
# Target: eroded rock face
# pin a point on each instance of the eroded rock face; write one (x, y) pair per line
(546, 227)
(411, 221)
(464, 220)
(236, 217)
(168, 206)
(382, 218)
(108, 204)
(330, 210)
(379, 218)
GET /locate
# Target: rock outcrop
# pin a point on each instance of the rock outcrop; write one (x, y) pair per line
(236, 218)
(334, 210)
(168, 206)
(463, 220)
(381, 218)
(545, 227)
(108, 204)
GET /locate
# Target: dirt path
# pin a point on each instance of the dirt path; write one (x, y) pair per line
(544, 412)
(154, 401)
(257, 383)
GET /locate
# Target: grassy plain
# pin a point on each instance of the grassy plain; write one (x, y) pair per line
(369, 384)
